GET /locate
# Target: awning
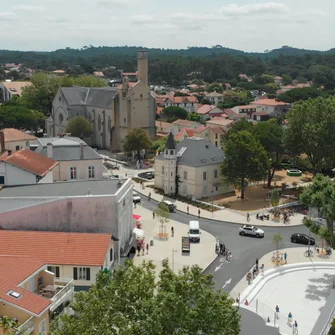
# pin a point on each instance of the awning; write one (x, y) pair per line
(137, 217)
(138, 232)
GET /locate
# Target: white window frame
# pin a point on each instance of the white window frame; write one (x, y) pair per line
(82, 274)
(42, 327)
(91, 172)
(73, 173)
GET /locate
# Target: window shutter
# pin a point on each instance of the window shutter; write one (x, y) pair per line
(49, 268)
(88, 274)
(111, 254)
(75, 273)
(57, 271)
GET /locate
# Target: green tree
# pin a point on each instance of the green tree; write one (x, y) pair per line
(276, 239)
(270, 88)
(321, 195)
(287, 79)
(265, 79)
(194, 117)
(311, 131)
(215, 87)
(240, 125)
(245, 160)
(163, 214)
(175, 112)
(304, 93)
(136, 141)
(271, 136)
(133, 301)
(275, 198)
(79, 127)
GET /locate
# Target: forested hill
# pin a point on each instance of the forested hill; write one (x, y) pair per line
(176, 65)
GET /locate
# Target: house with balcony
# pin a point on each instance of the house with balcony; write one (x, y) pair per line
(215, 98)
(197, 162)
(77, 160)
(245, 110)
(189, 103)
(30, 295)
(13, 139)
(213, 134)
(272, 107)
(77, 256)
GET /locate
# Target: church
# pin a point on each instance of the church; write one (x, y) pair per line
(112, 111)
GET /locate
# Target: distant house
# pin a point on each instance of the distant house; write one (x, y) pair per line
(99, 74)
(197, 162)
(246, 110)
(232, 115)
(189, 103)
(214, 97)
(180, 124)
(260, 116)
(13, 139)
(184, 134)
(25, 167)
(59, 72)
(208, 111)
(221, 122)
(164, 128)
(214, 134)
(77, 256)
(77, 160)
(278, 80)
(9, 89)
(272, 107)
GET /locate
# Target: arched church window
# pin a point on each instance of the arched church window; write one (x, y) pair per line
(99, 122)
(109, 123)
(61, 117)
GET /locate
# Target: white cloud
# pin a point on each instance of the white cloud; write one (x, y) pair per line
(142, 19)
(118, 3)
(28, 8)
(258, 8)
(7, 16)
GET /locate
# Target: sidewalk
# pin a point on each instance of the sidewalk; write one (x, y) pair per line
(202, 253)
(226, 214)
(295, 255)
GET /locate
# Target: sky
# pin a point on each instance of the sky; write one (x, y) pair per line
(248, 25)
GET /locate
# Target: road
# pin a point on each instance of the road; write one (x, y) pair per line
(244, 250)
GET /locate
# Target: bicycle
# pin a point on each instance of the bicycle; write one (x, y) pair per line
(308, 253)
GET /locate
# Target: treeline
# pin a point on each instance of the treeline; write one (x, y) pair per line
(217, 64)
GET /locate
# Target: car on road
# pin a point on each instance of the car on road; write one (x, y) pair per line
(171, 207)
(136, 198)
(251, 231)
(302, 238)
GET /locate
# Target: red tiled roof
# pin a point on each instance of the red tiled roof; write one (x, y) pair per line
(205, 109)
(162, 124)
(269, 102)
(56, 248)
(229, 112)
(262, 97)
(200, 129)
(14, 135)
(220, 121)
(217, 130)
(189, 132)
(180, 100)
(30, 161)
(159, 110)
(13, 271)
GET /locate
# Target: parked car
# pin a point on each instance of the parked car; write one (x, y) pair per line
(136, 198)
(302, 238)
(251, 231)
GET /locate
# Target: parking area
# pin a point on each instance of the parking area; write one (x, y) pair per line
(302, 293)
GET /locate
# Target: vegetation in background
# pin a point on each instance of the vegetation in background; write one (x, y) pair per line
(136, 141)
(79, 127)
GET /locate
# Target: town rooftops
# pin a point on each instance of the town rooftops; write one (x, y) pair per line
(185, 123)
(183, 99)
(16, 87)
(56, 248)
(88, 96)
(220, 121)
(184, 132)
(30, 161)
(67, 149)
(15, 135)
(269, 102)
(14, 270)
(214, 94)
(62, 189)
(205, 109)
(196, 152)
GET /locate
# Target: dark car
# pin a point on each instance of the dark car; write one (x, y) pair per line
(302, 238)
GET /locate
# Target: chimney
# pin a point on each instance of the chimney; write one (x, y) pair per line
(27, 145)
(142, 67)
(49, 150)
(2, 141)
(81, 150)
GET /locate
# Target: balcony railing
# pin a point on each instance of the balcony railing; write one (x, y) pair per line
(63, 294)
(27, 327)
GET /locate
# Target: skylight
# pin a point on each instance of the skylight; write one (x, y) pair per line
(181, 151)
(14, 294)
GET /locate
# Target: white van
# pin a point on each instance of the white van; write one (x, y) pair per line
(194, 231)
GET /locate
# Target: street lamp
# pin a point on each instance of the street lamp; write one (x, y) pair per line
(173, 251)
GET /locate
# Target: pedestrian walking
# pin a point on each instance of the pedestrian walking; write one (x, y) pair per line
(217, 247)
(147, 247)
(249, 277)
(295, 327)
(188, 210)
(172, 231)
(248, 217)
(285, 257)
(277, 311)
(289, 319)
(153, 214)
(256, 263)
(138, 249)
(246, 303)
(199, 213)
(149, 196)
(262, 268)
